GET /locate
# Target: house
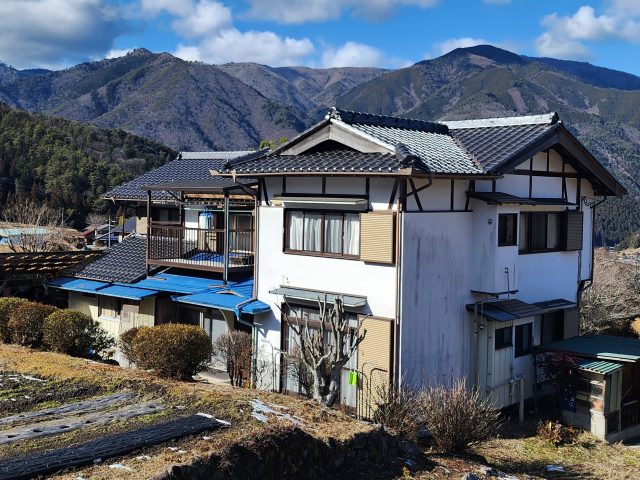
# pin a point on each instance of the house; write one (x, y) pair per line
(461, 245)
(189, 259)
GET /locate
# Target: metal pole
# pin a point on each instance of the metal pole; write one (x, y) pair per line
(109, 233)
(226, 239)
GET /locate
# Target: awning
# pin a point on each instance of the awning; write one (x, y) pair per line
(225, 301)
(499, 198)
(505, 310)
(77, 284)
(557, 304)
(343, 202)
(130, 293)
(598, 366)
(601, 347)
(315, 295)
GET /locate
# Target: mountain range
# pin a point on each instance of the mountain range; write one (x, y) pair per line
(195, 106)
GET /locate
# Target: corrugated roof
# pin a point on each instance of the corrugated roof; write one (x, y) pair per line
(602, 347)
(125, 262)
(599, 366)
(184, 284)
(316, 295)
(499, 198)
(505, 310)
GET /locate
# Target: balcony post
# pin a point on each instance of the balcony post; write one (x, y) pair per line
(148, 229)
(226, 238)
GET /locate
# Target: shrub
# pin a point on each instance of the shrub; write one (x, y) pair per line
(7, 306)
(74, 333)
(172, 350)
(27, 321)
(456, 417)
(234, 349)
(557, 433)
(397, 409)
(635, 326)
(126, 343)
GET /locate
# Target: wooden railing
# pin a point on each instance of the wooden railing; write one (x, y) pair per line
(199, 247)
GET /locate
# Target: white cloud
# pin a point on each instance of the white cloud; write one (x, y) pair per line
(564, 36)
(451, 44)
(352, 54)
(234, 46)
(205, 18)
(117, 52)
(56, 33)
(301, 11)
(174, 7)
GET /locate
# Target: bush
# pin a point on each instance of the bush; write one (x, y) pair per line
(126, 343)
(557, 433)
(74, 333)
(457, 417)
(7, 306)
(397, 410)
(172, 350)
(234, 349)
(27, 321)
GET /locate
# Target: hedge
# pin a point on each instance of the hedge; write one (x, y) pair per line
(7, 306)
(74, 333)
(27, 321)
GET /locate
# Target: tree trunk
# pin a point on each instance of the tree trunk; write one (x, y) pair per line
(334, 387)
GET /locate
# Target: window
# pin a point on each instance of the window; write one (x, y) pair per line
(109, 307)
(503, 337)
(524, 336)
(507, 229)
(541, 232)
(552, 327)
(327, 233)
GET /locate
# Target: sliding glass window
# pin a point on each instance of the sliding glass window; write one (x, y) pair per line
(335, 234)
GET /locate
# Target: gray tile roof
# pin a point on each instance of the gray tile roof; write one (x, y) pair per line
(223, 155)
(330, 161)
(128, 227)
(125, 262)
(179, 170)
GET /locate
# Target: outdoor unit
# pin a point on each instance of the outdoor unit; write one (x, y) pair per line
(206, 235)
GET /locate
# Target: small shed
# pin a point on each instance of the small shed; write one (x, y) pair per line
(605, 396)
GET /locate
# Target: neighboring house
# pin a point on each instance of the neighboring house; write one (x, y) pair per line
(461, 244)
(191, 260)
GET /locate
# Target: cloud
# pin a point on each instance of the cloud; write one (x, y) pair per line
(301, 11)
(231, 45)
(117, 52)
(56, 33)
(203, 19)
(451, 44)
(352, 54)
(565, 36)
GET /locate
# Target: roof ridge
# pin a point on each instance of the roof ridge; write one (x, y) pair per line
(546, 118)
(351, 117)
(229, 164)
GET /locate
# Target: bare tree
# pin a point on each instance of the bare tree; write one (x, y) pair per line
(234, 349)
(299, 372)
(327, 349)
(94, 218)
(34, 227)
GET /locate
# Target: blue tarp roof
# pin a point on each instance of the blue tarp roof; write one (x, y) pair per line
(77, 284)
(167, 282)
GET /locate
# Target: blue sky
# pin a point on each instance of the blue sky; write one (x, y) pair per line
(318, 33)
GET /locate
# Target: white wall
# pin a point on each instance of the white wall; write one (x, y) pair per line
(435, 333)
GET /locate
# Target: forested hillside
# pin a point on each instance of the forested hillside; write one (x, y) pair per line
(68, 163)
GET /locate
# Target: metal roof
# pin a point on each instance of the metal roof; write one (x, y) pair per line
(505, 310)
(125, 262)
(77, 284)
(557, 304)
(236, 297)
(316, 295)
(221, 155)
(598, 366)
(167, 282)
(499, 198)
(602, 347)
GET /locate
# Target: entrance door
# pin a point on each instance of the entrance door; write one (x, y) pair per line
(215, 325)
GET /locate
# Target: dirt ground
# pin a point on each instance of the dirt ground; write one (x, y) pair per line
(518, 453)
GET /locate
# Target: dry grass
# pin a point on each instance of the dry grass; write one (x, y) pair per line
(231, 404)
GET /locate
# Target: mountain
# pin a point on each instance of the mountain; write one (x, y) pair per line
(69, 163)
(600, 106)
(195, 106)
(185, 105)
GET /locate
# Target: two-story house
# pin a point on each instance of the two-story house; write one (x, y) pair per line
(462, 245)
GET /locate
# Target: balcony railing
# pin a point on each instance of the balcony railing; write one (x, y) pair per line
(200, 248)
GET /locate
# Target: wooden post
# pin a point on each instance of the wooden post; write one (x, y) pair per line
(226, 238)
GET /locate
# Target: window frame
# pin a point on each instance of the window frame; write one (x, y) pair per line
(117, 302)
(557, 326)
(502, 345)
(321, 253)
(561, 226)
(519, 351)
(514, 218)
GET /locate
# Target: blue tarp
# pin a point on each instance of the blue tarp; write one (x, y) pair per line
(166, 282)
(130, 293)
(77, 284)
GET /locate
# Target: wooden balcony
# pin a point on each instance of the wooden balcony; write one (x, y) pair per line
(173, 245)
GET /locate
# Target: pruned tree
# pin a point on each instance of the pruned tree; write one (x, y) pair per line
(325, 350)
(234, 349)
(34, 227)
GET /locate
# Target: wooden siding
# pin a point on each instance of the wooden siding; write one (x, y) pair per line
(571, 322)
(374, 358)
(575, 223)
(377, 237)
